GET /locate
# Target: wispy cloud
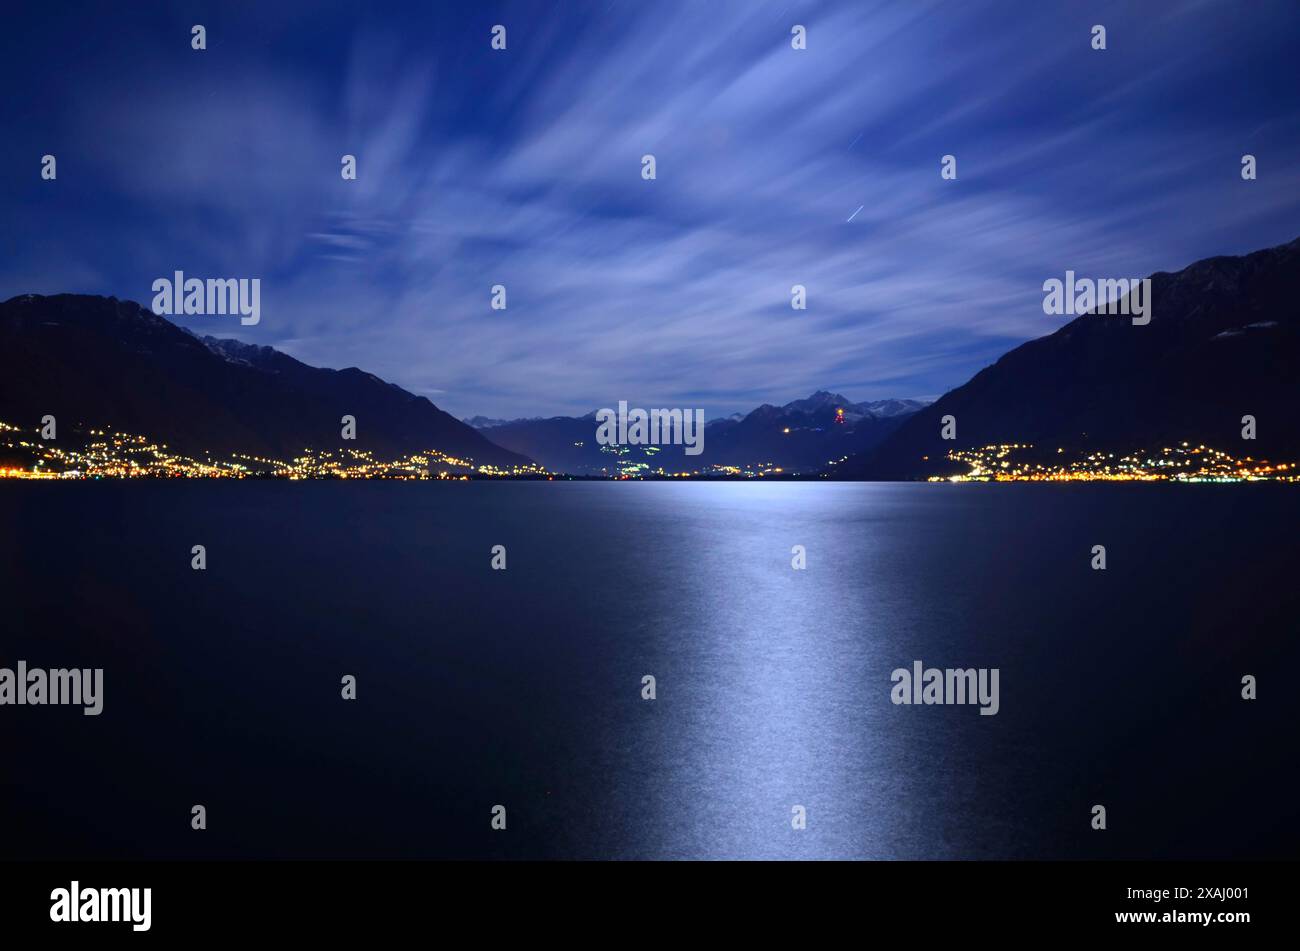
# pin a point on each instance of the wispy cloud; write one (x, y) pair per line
(523, 168)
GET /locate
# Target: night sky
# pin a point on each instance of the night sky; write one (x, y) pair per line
(523, 168)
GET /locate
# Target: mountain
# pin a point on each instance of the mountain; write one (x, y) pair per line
(560, 444)
(879, 409)
(887, 409)
(801, 436)
(804, 435)
(487, 422)
(1223, 342)
(102, 362)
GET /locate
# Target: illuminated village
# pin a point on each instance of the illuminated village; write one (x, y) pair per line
(100, 454)
(1014, 462)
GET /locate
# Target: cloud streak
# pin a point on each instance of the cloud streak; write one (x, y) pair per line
(523, 168)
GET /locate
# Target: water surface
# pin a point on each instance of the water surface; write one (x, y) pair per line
(523, 687)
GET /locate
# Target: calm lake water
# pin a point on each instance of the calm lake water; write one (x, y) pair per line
(523, 687)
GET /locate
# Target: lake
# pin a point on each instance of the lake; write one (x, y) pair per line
(523, 687)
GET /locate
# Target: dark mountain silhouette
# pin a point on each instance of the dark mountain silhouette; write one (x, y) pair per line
(801, 436)
(1223, 343)
(560, 443)
(805, 435)
(102, 362)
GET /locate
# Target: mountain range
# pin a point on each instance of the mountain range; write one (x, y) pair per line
(104, 363)
(801, 436)
(1223, 343)
(111, 364)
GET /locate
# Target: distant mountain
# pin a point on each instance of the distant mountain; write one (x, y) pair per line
(879, 409)
(102, 362)
(1223, 343)
(801, 436)
(560, 443)
(819, 401)
(887, 409)
(487, 422)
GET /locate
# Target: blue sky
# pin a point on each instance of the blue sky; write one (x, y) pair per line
(478, 167)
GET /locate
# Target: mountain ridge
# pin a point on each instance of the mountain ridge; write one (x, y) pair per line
(800, 436)
(100, 361)
(1223, 343)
